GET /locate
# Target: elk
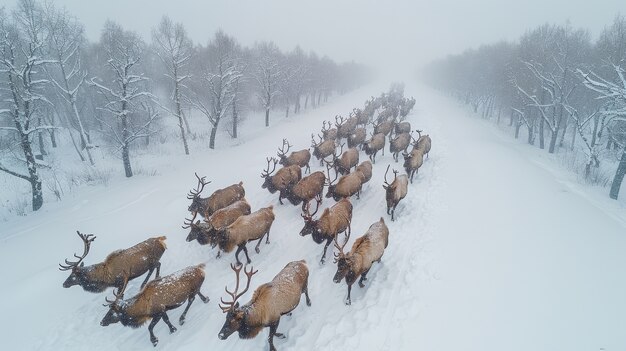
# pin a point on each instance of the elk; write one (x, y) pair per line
(365, 251)
(402, 127)
(322, 149)
(300, 158)
(307, 189)
(372, 146)
(284, 179)
(413, 161)
(269, 302)
(244, 229)
(399, 144)
(365, 171)
(357, 138)
(219, 199)
(155, 299)
(395, 191)
(333, 221)
(345, 127)
(328, 132)
(423, 142)
(348, 159)
(117, 267)
(384, 127)
(362, 116)
(347, 185)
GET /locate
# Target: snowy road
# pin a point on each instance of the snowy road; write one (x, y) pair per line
(490, 252)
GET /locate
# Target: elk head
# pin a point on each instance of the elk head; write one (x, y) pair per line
(116, 307)
(395, 175)
(77, 275)
(343, 261)
(282, 153)
(195, 228)
(234, 314)
(266, 174)
(309, 222)
(329, 183)
(194, 195)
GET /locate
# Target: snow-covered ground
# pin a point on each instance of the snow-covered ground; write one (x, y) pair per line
(491, 250)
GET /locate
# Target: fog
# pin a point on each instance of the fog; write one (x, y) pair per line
(389, 35)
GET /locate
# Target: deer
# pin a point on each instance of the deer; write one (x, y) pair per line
(384, 127)
(348, 159)
(347, 185)
(402, 127)
(365, 171)
(372, 146)
(332, 222)
(345, 127)
(366, 250)
(423, 142)
(284, 179)
(300, 158)
(219, 199)
(357, 138)
(396, 191)
(269, 302)
(244, 229)
(328, 132)
(399, 144)
(413, 161)
(362, 116)
(117, 267)
(307, 189)
(155, 300)
(322, 149)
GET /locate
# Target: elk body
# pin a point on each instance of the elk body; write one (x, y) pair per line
(206, 233)
(322, 149)
(363, 116)
(307, 189)
(396, 191)
(357, 138)
(269, 302)
(384, 127)
(402, 127)
(219, 199)
(423, 143)
(117, 267)
(413, 161)
(376, 143)
(300, 158)
(348, 159)
(365, 251)
(365, 171)
(329, 133)
(399, 144)
(345, 127)
(244, 229)
(347, 186)
(284, 179)
(333, 221)
(155, 299)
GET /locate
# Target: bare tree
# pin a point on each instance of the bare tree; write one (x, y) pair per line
(267, 76)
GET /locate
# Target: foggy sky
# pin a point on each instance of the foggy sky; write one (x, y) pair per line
(395, 35)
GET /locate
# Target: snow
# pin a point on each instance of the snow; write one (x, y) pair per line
(492, 249)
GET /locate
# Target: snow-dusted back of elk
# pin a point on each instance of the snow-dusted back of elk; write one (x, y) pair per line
(244, 229)
(333, 221)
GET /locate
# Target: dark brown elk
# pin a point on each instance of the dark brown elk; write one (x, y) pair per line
(384, 127)
(155, 299)
(399, 144)
(402, 127)
(333, 221)
(284, 179)
(345, 127)
(322, 149)
(244, 229)
(423, 143)
(269, 302)
(117, 267)
(413, 161)
(307, 189)
(300, 158)
(348, 159)
(365, 170)
(375, 144)
(396, 191)
(347, 186)
(328, 132)
(357, 138)
(219, 199)
(365, 251)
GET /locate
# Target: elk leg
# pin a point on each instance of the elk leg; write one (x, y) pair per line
(363, 278)
(305, 290)
(256, 248)
(349, 300)
(166, 319)
(147, 277)
(325, 247)
(308, 168)
(245, 250)
(267, 239)
(158, 270)
(280, 197)
(239, 248)
(154, 322)
(219, 254)
(393, 210)
(270, 339)
(189, 302)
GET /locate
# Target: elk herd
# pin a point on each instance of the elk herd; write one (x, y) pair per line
(229, 224)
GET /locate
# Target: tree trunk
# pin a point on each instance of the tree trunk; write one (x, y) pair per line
(517, 128)
(267, 116)
(53, 138)
(553, 137)
(542, 141)
(179, 112)
(34, 180)
(563, 133)
(511, 118)
(212, 138)
(499, 114)
(619, 176)
(319, 98)
(287, 112)
(125, 152)
(306, 101)
(80, 154)
(235, 118)
(186, 123)
(531, 135)
(42, 147)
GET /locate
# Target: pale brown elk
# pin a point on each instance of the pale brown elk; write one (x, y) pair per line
(372, 146)
(328, 132)
(396, 191)
(413, 161)
(402, 127)
(117, 267)
(332, 222)
(357, 138)
(322, 149)
(365, 251)
(362, 116)
(348, 159)
(365, 170)
(300, 158)
(244, 229)
(155, 299)
(284, 179)
(345, 127)
(385, 127)
(423, 142)
(219, 199)
(269, 302)
(347, 185)
(399, 144)
(307, 189)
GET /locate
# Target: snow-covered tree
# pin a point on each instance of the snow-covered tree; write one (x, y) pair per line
(267, 75)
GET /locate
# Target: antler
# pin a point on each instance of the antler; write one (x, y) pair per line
(339, 121)
(117, 293)
(307, 215)
(324, 128)
(340, 247)
(201, 183)
(281, 151)
(234, 294)
(189, 222)
(386, 182)
(266, 172)
(87, 240)
(328, 167)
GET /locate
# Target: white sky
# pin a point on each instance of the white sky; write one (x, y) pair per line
(394, 34)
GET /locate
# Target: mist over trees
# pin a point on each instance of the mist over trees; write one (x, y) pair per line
(119, 93)
(566, 92)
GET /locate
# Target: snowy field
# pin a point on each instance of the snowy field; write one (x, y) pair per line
(492, 249)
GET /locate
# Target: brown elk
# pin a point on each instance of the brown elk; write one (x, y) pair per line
(117, 267)
(307, 189)
(333, 221)
(328, 132)
(155, 299)
(322, 149)
(348, 159)
(372, 146)
(269, 302)
(347, 185)
(395, 191)
(399, 144)
(345, 127)
(384, 127)
(402, 127)
(362, 116)
(300, 158)
(219, 199)
(365, 170)
(365, 251)
(413, 161)
(244, 229)
(423, 142)
(357, 138)
(284, 179)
